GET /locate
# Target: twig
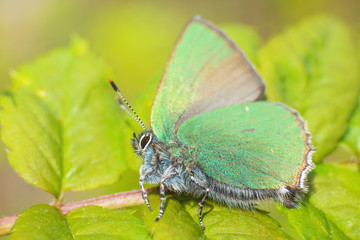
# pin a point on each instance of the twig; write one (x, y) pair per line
(112, 201)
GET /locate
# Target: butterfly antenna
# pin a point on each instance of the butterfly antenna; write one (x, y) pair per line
(121, 102)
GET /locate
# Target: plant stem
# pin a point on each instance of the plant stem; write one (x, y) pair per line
(112, 201)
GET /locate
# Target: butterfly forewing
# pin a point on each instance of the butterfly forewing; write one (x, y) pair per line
(206, 71)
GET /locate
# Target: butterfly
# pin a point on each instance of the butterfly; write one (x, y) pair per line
(210, 136)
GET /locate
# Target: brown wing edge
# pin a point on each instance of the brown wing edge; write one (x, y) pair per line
(211, 26)
(300, 182)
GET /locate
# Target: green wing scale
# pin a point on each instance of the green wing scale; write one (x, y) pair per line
(259, 145)
(206, 71)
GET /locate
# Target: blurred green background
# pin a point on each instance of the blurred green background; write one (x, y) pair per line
(135, 38)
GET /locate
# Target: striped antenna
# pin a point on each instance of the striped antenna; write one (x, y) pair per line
(123, 103)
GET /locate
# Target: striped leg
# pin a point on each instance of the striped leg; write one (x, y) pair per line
(201, 204)
(143, 191)
(169, 173)
(162, 197)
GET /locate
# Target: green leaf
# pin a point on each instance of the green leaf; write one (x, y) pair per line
(312, 67)
(223, 222)
(61, 124)
(41, 222)
(46, 222)
(337, 194)
(245, 37)
(176, 222)
(99, 223)
(352, 136)
(180, 221)
(312, 223)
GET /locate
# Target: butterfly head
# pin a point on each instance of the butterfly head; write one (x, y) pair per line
(142, 143)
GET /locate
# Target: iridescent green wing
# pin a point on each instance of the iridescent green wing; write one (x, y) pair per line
(259, 145)
(206, 71)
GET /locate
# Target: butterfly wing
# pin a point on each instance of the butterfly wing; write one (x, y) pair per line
(206, 71)
(258, 145)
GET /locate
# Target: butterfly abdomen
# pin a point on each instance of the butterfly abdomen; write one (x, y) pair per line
(244, 197)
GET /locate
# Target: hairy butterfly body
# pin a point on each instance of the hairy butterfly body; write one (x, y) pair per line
(210, 137)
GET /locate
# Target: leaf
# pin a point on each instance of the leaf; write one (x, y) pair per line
(41, 222)
(61, 124)
(176, 222)
(99, 223)
(309, 222)
(337, 194)
(223, 222)
(180, 221)
(46, 222)
(304, 68)
(352, 136)
(32, 137)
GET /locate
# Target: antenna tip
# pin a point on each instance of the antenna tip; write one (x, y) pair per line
(113, 85)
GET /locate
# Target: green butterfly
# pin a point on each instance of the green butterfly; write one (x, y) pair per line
(209, 136)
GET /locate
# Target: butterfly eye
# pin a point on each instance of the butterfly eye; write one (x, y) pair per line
(145, 141)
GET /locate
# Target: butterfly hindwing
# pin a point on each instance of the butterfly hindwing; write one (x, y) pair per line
(258, 145)
(206, 71)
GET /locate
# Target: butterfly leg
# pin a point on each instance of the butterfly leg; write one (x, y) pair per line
(162, 197)
(201, 205)
(201, 184)
(169, 173)
(143, 191)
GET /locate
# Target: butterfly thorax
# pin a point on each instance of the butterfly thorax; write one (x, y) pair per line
(170, 161)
